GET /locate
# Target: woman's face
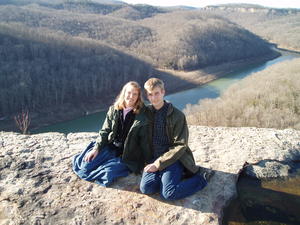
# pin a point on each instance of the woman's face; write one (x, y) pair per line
(131, 96)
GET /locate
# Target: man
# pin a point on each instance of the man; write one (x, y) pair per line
(171, 168)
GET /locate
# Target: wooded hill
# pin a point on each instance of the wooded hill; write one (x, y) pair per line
(72, 53)
(181, 40)
(42, 72)
(280, 26)
(269, 98)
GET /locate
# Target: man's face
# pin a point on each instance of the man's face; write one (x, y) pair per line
(156, 97)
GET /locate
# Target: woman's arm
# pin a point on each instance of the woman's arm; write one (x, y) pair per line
(106, 129)
(102, 139)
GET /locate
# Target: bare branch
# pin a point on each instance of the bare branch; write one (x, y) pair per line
(23, 121)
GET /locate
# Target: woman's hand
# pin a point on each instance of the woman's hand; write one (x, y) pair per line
(91, 155)
(150, 168)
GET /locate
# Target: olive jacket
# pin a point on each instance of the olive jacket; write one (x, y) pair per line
(132, 154)
(177, 131)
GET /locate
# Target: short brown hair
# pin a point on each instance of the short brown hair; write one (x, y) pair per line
(153, 83)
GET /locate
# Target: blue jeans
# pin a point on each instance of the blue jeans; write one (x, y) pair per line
(104, 169)
(170, 184)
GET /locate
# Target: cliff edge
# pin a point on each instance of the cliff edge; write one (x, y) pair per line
(37, 185)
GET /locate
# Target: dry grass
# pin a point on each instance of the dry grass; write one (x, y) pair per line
(270, 98)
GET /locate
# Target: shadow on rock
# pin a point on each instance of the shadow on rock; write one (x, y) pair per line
(268, 192)
(211, 199)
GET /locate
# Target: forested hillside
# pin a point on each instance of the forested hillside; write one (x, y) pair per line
(69, 54)
(183, 40)
(188, 40)
(41, 72)
(280, 26)
(115, 32)
(269, 98)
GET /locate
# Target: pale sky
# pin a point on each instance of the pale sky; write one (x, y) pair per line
(200, 3)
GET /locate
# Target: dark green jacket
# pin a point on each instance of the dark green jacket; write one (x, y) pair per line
(132, 154)
(178, 133)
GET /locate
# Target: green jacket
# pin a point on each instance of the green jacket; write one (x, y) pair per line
(132, 155)
(178, 133)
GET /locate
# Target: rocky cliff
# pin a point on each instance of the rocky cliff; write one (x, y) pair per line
(37, 185)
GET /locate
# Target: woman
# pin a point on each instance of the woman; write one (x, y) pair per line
(117, 150)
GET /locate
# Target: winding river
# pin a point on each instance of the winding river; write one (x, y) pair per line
(93, 122)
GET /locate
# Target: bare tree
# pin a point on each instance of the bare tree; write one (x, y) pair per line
(23, 121)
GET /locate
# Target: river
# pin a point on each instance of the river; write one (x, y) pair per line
(93, 122)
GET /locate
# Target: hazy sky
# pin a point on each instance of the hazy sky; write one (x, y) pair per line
(201, 3)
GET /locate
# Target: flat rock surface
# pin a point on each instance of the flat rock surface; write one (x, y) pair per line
(37, 185)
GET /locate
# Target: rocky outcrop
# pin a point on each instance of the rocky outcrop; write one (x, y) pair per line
(37, 185)
(251, 8)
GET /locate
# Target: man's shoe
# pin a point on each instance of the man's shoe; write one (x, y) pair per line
(206, 173)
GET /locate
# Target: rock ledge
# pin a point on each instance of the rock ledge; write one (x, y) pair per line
(37, 185)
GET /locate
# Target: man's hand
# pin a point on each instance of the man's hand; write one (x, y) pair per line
(150, 168)
(91, 155)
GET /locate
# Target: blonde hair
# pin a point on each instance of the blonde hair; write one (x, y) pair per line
(153, 83)
(120, 100)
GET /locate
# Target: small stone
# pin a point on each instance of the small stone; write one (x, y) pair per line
(21, 203)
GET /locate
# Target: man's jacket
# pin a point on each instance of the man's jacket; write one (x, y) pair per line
(177, 132)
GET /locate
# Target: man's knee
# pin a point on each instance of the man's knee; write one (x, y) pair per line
(169, 194)
(147, 189)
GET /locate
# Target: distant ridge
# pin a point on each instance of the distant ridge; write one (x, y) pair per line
(250, 6)
(277, 25)
(237, 5)
(110, 2)
(181, 7)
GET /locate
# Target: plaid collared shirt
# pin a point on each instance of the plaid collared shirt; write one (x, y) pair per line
(160, 137)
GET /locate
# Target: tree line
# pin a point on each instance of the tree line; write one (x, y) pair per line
(270, 98)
